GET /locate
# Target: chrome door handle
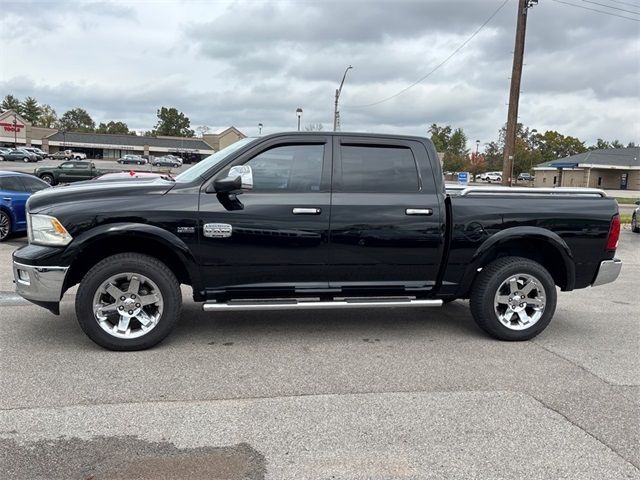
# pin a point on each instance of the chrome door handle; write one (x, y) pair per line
(418, 211)
(307, 211)
(7, 199)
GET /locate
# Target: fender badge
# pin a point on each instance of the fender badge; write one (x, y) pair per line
(217, 230)
(186, 229)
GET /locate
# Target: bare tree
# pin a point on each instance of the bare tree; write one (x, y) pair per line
(314, 127)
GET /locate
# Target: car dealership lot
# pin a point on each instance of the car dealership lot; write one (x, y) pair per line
(343, 394)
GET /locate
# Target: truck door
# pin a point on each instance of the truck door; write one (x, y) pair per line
(386, 227)
(274, 237)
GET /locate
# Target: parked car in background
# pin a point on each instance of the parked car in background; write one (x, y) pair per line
(67, 155)
(4, 150)
(36, 151)
(167, 161)
(635, 218)
(68, 172)
(132, 160)
(492, 177)
(525, 177)
(15, 189)
(61, 155)
(18, 154)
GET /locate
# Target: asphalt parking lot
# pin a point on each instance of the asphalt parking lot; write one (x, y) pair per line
(394, 394)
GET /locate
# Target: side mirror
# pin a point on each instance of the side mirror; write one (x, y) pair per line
(638, 202)
(238, 180)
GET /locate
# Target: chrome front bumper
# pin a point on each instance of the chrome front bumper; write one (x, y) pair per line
(608, 272)
(39, 284)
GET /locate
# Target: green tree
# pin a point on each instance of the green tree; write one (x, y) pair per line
(493, 156)
(11, 103)
(48, 117)
(553, 145)
(600, 144)
(616, 144)
(114, 127)
(31, 110)
(171, 122)
(440, 137)
(76, 120)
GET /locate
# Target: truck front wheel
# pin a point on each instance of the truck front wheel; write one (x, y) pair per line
(128, 301)
(513, 299)
(47, 178)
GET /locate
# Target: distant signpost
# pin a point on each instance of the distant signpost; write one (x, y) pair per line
(463, 178)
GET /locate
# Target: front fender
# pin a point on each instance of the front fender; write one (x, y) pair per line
(524, 233)
(85, 240)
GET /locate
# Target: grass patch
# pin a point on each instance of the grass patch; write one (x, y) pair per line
(626, 200)
(625, 217)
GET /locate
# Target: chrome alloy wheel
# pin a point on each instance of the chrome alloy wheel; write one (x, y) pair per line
(128, 305)
(5, 225)
(520, 301)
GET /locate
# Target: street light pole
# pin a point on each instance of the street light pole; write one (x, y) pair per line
(299, 115)
(336, 113)
(259, 129)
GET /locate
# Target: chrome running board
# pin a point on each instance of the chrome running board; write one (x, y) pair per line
(314, 304)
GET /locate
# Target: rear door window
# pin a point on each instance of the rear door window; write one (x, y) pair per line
(378, 169)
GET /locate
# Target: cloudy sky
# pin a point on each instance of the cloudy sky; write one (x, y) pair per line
(247, 62)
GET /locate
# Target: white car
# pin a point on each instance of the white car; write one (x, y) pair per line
(493, 177)
(75, 155)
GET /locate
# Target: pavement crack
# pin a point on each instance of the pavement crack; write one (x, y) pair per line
(577, 365)
(609, 447)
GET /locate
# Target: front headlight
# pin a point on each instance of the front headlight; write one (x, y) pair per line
(46, 230)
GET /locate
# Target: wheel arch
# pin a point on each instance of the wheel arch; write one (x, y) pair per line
(104, 241)
(540, 245)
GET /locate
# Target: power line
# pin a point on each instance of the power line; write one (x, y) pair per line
(462, 45)
(599, 11)
(626, 3)
(614, 8)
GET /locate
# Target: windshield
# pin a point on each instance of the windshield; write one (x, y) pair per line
(199, 168)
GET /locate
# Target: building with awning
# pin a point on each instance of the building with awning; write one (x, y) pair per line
(610, 168)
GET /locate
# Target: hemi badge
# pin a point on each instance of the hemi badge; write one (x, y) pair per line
(186, 229)
(217, 230)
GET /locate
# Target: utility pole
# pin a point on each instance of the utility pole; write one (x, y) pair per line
(336, 113)
(514, 94)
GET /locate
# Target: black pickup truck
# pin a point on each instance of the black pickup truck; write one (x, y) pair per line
(312, 221)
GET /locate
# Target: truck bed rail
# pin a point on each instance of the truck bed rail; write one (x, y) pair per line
(461, 191)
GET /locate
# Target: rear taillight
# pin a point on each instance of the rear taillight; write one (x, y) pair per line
(614, 233)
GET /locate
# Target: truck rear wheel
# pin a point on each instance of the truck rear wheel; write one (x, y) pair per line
(128, 301)
(513, 299)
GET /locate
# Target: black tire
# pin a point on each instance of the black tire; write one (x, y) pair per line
(175, 165)
(634, 224)
(48, 178)
(5, 225)
(486, 286)
(1, 158)
(25, 159)
(77, 158)
(140, 264)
